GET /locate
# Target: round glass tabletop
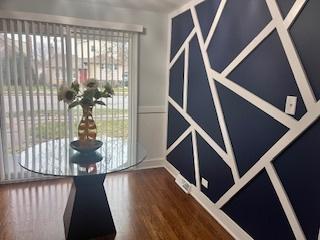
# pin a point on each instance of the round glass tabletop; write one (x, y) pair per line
(57, 158)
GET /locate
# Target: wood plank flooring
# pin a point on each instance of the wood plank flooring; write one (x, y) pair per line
(145, 205)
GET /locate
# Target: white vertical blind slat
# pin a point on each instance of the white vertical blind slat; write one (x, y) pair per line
(29, 80)
(50, 28)
(118, 100)
(6, 165)
(44, 82)
(83, 72)
(123, 97)
(93, 49)
(35, 28)
(65, 113)
(3, 137)
(24, 100)
(112, 99)
(100, 73)
(129, 98)
(69, 71)
(132, 97)
(88, 52)
(56, 53)
(107, 80)
(76, 69)
(94, 57)
(16, 91)
(69, 76)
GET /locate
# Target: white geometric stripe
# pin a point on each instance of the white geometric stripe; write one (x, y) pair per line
(215, 23)
(268, 108)
(285, 202)
(186, 80)
(216, 100)
(182, 48)
(294, 12)
(293, 58)
(249, 48)
(202, 133)
(179, 140)
(196, 159)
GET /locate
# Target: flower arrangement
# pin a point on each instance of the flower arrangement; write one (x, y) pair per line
(88, 96)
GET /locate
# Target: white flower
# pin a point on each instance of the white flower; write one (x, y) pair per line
(60, 92)
(66, 94)
(91, 83)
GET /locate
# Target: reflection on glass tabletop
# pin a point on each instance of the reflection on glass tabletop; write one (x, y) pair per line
(56, 158)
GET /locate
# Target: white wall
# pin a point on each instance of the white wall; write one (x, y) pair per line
(152, 57)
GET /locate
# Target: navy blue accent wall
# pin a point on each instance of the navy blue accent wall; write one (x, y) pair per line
(257, 209)
(182, 159)
(214, 170)
(306, 36)
(182, 25)
(267, 73)
(200, 102)
(176, 80)
(240, 22)
(252, 131)
(298, 168)
(176, 125)
(206, 12)
(221, 114)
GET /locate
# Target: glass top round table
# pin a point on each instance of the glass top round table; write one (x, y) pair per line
(55, 158)
(87, 214)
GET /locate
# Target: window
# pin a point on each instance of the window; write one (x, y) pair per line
(37, 57)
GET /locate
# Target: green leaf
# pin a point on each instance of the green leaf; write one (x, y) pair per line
(86, 101)
(100, 103)
(106, 95)
(75, 86)
(89, 93)
(97, 94)
(108, 89)
(73, 104)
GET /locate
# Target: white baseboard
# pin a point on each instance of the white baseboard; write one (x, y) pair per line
(151, 163)
(226, 222)
(171, 169)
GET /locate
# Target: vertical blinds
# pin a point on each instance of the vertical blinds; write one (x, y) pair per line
(37, 57)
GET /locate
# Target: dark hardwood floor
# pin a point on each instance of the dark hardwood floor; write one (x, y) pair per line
(145, 204)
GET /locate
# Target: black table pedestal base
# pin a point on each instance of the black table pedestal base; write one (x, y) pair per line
(87, 214)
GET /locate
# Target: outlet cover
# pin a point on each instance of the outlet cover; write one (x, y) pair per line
(204, 182)
(183, 183)
(291, 105)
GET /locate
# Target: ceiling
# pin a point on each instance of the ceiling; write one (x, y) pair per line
(150, 5)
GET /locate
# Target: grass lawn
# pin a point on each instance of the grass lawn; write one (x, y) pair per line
(116, 128)
(117, 90)
(96, 111)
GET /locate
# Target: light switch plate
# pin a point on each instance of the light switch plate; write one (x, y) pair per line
(291, 105)
(204, 182)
